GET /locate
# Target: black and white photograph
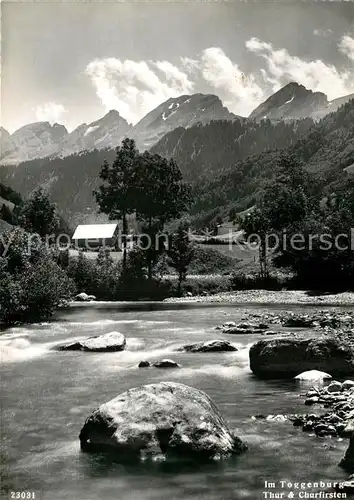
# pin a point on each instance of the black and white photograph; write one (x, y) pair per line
(177, 249)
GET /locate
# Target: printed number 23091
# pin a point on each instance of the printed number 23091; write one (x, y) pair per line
(22, 495)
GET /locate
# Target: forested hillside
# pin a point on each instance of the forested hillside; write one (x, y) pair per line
(326, 150)
(10, 201)
(205, 150)
(70, 182)
(201, 151)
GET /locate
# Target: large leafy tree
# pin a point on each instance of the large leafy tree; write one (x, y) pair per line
(38, 214)
(147, 185)
(281, 209)
(314, 231)
(181, 252)
(162, 195)
(117, 195)
(327, 259)
(257, 226)
(286, 201)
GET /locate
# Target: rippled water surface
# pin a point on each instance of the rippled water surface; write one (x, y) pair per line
(47, 395)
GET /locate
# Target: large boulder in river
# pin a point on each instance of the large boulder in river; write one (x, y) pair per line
(165, 420)
(287, 357)
(209, 346)
(108, 342)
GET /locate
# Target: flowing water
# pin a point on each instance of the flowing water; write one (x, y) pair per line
(47, 395)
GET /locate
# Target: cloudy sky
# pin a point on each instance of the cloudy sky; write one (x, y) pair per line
(71, 62)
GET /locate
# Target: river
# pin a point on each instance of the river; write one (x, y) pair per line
(47, 395)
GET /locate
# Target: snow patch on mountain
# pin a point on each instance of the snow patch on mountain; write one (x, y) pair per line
(290, 100)
(90, 129)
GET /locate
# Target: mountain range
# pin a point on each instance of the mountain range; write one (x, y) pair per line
(227, 159)
(41, 139)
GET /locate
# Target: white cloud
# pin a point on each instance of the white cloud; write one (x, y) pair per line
(240, 92)
(174, 76)
(49, 112)
(190, 65)
(346, 46)
(282, 67)
(135, 87)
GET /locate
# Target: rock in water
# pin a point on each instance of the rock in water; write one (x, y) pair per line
(166, 363)
(244, 328)
(334, 386)
(108, 342)
(168, 420)
(313, 375)
(210, 346)
(286, 357)
(82, 297)
(144, 364)
(298, 321)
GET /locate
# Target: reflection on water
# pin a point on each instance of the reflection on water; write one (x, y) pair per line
(48, 394)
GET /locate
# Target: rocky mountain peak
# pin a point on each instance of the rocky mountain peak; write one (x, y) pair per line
(112, 113)
(34, 140)
(183, 111)
(111, 117)
(3, 132)
(105, 132)
(39, 132)
(5, 140)
(293, 101)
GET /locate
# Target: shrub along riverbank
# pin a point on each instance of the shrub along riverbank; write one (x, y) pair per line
(32, 284)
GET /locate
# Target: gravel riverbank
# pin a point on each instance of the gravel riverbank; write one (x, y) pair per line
(271, 297)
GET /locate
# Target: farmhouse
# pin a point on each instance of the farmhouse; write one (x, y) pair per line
(92, 236)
